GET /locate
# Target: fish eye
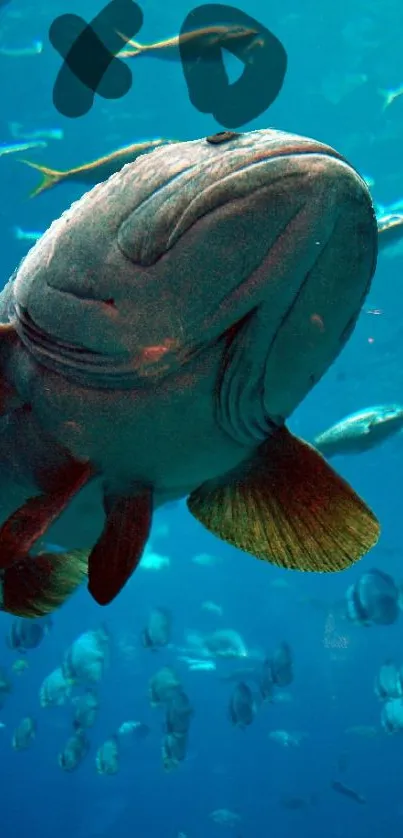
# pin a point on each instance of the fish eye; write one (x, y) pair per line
(222, 137)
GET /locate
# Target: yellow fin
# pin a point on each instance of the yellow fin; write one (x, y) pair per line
(287, 506)
(50, 177)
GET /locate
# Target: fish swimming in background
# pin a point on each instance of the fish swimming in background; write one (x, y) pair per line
(24, 734)
(242, 706)
(20, 665)
(25, 635)
(208, 605)
(16, 130)
(225, 816)
(341, 788)
(74, 752)
(287, 738)
(205, 40)
(390, 229)
(154, 342)
(14, 148)
(35, 48)
(94, 172)
(389, 96)
(5, 686)
(373, 599)
(361, 431)
(27, 235)
(157, 632)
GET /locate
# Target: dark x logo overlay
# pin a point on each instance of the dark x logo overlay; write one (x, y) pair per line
(89, 51)
(91, 64)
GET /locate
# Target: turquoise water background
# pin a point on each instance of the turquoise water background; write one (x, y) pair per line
(340, 55)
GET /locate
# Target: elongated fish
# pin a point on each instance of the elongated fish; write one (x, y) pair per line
(94, 172)
(204, 39)
(154, 342)
(34, 48)
(14, 148)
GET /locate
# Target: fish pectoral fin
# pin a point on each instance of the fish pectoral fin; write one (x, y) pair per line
(31, 520)
(37, 585)
(121, 544)
(287, 506)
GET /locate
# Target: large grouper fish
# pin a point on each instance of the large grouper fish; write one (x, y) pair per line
(154, 342)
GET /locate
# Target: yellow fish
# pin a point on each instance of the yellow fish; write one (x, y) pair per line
(97, 170)
(202, 39)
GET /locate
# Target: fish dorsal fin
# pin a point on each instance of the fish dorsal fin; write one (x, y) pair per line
(120, 546)
(287, 506)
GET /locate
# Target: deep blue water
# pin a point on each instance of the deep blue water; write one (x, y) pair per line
(242, 771)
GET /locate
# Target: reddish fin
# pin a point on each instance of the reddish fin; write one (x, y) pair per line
(39, 584)
(287, 506)
(120, 547)
(23, 528)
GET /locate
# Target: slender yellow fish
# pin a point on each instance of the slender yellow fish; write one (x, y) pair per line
(96, 171)
(202, 39)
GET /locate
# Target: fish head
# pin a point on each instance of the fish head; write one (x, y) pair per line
(390, 415)
(263, 243)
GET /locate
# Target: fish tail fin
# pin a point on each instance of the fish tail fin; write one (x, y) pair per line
(136, 47)
(387, 97)
(50, 177)
(38, 585)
